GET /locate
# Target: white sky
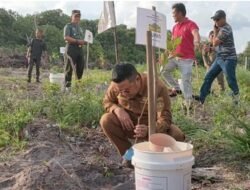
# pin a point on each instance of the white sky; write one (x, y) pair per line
(199, 11)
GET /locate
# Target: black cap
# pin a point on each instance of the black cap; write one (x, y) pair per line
(218, 15)
(76, 12)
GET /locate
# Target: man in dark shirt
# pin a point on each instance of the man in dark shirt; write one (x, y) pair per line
(34, 53)
(73, 36)
(226, 59)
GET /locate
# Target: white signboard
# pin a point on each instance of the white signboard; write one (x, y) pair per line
(62, 50)
(149, 20)
(88, 37)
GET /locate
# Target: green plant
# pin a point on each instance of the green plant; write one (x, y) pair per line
(238, 136)
(170, 51)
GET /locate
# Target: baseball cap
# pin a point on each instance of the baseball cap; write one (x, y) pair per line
(218, 15)
(76, 12)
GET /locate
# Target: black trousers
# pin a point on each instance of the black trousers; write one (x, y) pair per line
(76, 53)
(33, 61)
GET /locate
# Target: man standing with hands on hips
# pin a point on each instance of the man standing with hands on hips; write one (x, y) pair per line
(73, 36)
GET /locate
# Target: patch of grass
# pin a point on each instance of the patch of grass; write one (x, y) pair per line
(238, 136)
(14, 115)
(82, 107)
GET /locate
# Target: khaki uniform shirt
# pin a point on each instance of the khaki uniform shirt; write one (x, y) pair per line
(208, 57)
(113, 99)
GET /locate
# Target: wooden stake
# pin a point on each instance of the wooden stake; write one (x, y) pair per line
(116, 47)
(87, 59)
(115, 39)
(155, 76)
(151, 114)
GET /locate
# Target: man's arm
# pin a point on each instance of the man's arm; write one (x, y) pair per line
(45, 52)
(110, 101)
(46, 56)
(216, 40)
(70, 39)
(73, 40)
(28, 52)
(29, 45)
(196, 35)
(197, 38)
(164, 116)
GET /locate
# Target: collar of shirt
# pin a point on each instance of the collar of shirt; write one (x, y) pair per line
(184, 21)
(143, 84)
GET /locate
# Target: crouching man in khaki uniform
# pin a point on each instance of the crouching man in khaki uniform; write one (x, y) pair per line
(125, 101)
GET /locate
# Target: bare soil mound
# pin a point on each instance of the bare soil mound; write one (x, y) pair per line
(55, 161)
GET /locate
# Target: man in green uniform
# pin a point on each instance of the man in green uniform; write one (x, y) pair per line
(73, 35)
(34, 53)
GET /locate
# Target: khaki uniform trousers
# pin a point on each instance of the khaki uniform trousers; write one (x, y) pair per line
(120, 137)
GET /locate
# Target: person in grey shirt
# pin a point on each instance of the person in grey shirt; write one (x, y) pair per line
(226, 59)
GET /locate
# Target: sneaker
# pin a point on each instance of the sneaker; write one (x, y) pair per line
(236, 99)
(178, 91)
(173, 92)
(127, 157)
(68, 89)
(196, 97)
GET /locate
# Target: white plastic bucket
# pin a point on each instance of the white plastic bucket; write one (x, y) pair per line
(56, 78)
(163, 170)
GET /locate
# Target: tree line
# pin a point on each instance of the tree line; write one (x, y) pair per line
(16, 30)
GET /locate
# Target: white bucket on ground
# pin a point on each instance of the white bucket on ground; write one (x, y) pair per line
(163, 170)
(57, 78)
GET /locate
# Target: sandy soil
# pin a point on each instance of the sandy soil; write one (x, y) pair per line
(55, 159)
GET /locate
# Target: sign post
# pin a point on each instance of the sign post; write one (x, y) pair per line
(151, 31)
(89, 39)
(151, 84)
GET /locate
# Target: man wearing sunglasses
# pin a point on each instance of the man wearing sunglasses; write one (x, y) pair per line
(73, 36)
(226, 59)
(126, 105)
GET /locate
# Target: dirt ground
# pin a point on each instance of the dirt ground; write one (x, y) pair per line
(55, 159)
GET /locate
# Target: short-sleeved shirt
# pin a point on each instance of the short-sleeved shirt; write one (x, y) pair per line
(74, 31)
(184, 30)
(209, 57)
(226, 49)
(37, 48)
